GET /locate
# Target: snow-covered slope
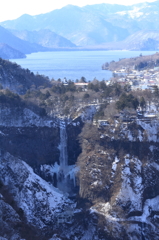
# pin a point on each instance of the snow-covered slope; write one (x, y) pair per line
(39, 202)
(120, 175)
(24, 117)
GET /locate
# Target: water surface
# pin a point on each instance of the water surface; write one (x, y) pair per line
(74, 64)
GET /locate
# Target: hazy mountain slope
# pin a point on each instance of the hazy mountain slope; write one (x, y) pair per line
(143, 16)
(18, 44)
(7, 52)
(81, 26)
(141, 40)
(94, 24)
(39, 21)
(45, 38)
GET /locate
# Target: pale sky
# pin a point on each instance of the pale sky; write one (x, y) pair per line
(12, 9)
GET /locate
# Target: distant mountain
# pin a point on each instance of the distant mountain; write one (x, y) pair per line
(18, 44)
(44, 37)
(141, 40)
(97, 24)
(7, 52)
(143, 16)
(82, 26)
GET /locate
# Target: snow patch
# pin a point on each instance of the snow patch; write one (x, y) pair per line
(24, 118)
(30, 192)
(114, 164)
(151, 130)
(132, 186)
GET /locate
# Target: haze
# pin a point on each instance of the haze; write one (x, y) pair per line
(13, 9)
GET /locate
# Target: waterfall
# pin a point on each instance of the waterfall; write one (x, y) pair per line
(63, 148)
(66, 175)
(63, 170)
(61, 174)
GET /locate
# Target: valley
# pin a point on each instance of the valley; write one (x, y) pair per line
(79, 123)
(92, 27)
(78, 157)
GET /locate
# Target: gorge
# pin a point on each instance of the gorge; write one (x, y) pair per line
(118, 180)
(68, 169)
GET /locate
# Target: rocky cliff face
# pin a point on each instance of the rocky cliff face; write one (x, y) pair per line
(117, 170)
(121, 178)
(29, 196)
(33, 149)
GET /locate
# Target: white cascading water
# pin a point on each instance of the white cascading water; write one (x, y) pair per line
(63, 148)
(62, 175)
(63, 170)
(66, 173)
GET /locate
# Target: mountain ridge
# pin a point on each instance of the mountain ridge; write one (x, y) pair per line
(18, 44)
(7, 52)
(80, 26)
(93, 24)
(44, 37)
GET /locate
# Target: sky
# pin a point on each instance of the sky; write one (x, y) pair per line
(12, 9)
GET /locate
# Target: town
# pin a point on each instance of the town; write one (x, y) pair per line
(143, 79)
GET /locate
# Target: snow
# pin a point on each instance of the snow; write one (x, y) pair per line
(63, 147)
(24, 118)
(31, 192)
(55, 196)
(148, 206)
(140, 137)
(88, 112)
(155, 165)
(132, 187)
(151, 130)
(135, 13)
(97, 183)
(3, 133)
(72, 172)
(55, 237)
(50, 169)
(114, 164)
(129, 135)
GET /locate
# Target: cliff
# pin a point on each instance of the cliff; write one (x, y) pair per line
(119, 175)
(69, 177)
(118, 180)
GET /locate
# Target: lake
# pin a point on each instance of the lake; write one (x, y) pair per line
(74, 64)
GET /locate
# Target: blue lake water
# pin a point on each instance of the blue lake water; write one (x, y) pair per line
(74, 64)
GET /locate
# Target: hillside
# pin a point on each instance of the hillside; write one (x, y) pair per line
(142, 40)
(138, 41)
(18, 44)
(19, 80)
(7, 52)
(44, 37)
(99, 24)
(81, 26)
(149, 61)
(77, 161)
